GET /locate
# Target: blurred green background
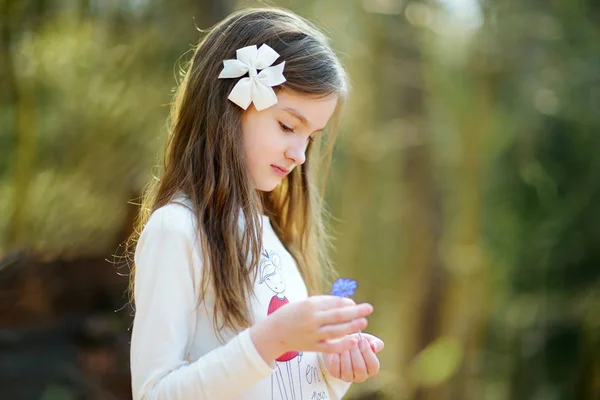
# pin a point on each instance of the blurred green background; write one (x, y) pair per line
(465, 187)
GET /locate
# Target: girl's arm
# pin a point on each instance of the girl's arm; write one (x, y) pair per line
(165, 322)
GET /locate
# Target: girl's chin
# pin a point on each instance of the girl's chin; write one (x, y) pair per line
(267, 186)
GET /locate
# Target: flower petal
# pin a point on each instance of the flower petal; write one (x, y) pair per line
(247, 55)
(241, 94)
(272, 76)
(265, 57)
(262, 96)
(233, 69)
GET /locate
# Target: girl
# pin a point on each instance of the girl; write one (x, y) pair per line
(232, 240)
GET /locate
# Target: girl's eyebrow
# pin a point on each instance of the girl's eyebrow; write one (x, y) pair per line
(301, 117)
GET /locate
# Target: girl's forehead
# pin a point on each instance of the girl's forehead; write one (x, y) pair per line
(311, 110)
(289, 97)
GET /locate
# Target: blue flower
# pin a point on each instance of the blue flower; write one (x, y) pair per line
(344, 287)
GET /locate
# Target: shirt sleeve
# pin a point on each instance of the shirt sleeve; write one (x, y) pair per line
(337, 387)
(165, 320)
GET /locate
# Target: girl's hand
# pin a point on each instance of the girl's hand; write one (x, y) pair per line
(314, 324)
(358, 363)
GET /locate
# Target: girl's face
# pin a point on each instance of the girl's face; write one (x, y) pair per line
(275, 139)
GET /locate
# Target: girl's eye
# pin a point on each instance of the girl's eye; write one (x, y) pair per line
(285, 128)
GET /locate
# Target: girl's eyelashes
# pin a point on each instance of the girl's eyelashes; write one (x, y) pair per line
(286, 128)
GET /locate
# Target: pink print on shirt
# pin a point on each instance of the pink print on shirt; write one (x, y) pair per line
(288, 378)
(275, 303)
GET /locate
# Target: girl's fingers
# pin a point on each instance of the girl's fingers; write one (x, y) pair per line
(326, 302)
(336, 346)
(375, 343)
(370, 359)
(346, 367)
(339, 330)
(354, 364)
(344, 314)
(334, 365)
(359, 368)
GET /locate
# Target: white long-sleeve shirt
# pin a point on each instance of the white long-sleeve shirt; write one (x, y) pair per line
(175, 352)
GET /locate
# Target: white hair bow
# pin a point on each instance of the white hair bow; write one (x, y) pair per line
(257, 87)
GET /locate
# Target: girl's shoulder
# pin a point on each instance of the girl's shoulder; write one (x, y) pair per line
(176, 217)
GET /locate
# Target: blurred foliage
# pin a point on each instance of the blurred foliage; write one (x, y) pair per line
(465, 187)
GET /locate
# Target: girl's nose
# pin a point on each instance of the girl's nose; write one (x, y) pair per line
(296, 154)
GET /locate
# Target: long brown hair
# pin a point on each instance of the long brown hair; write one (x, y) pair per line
(204, 159)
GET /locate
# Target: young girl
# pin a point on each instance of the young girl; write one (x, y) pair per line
(232, 242)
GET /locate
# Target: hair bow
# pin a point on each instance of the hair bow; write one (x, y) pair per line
(257, 87)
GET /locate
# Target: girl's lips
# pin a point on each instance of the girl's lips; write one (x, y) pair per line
(279, 171)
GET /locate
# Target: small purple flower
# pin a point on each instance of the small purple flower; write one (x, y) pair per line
(344, 287)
